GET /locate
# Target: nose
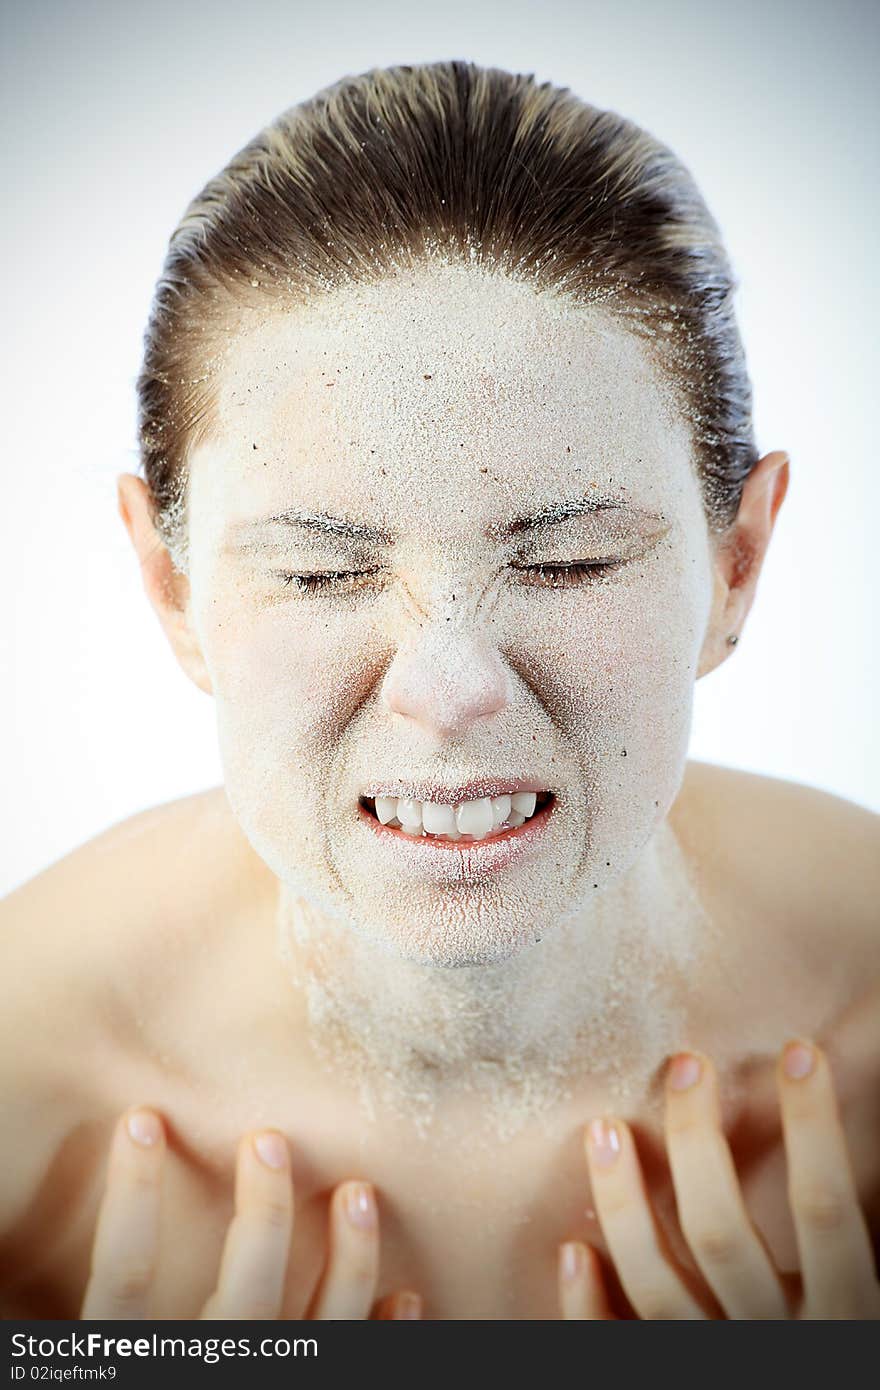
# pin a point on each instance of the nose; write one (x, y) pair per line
(447, 682)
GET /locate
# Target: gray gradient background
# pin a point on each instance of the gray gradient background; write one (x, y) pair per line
(116, 114)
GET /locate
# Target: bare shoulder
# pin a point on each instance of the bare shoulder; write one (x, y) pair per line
(804, 858)
(79, 941)
(108, 895)
(159, 836)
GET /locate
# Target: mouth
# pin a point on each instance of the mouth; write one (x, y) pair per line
(459, 823)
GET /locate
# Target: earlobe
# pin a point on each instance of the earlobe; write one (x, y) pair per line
(715, 648)
(739, 557)
(167, 589)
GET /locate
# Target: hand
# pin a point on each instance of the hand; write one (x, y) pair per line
(250, 1282)
(838, 1274)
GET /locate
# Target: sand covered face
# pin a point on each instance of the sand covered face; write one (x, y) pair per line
(479, 451)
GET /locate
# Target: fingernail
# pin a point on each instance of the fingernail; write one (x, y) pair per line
(271, 1149)
(360, 1207)
(604, 1142)
(798, 1060)
(145, 1128)
(408, 1305)
(684, 1071)
(571, 1260)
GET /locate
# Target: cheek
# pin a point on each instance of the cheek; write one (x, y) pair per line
(286, 681)
(615, 668)
(599, 647)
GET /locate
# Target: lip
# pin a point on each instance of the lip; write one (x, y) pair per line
(473, 790)
(491, 854)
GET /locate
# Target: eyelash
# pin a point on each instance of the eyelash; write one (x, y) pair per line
(560, 575)
(583, 570)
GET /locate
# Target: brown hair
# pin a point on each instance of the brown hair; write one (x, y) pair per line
(391, 165)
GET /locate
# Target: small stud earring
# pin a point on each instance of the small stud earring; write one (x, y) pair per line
(732, 639)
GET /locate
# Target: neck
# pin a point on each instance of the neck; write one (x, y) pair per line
(598, 1003)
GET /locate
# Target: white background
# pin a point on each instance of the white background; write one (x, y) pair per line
(116, 114)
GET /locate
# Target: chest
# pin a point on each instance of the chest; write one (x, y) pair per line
(477, 1238)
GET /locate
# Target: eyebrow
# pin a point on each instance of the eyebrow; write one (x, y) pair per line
(564, 510)
(316, 521)
(346, 529)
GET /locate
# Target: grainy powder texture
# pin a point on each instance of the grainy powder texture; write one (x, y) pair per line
(432, 412)
(600, 998)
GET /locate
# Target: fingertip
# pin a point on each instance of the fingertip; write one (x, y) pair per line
(356, 1204)
(684, 1071)
(144, 1127)
(582, 1292)
(604, 1138)
(798, 1060)
(573, 1260)
(271, 1149)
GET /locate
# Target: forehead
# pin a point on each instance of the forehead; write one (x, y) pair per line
(445, 375)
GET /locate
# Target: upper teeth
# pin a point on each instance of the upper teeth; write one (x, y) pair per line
(476, 819)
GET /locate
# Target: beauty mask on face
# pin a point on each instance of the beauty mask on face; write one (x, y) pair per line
(462, 429)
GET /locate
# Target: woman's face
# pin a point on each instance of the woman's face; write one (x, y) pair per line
(447, 447)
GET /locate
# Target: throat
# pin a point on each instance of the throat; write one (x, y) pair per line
(594, 1007)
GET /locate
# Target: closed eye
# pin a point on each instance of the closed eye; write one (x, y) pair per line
(324, 579)
(564, 576)
(544, 576)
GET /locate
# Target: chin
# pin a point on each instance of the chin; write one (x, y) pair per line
(443, 953)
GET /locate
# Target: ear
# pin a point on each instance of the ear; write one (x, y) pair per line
(739, 555)
(167, 589)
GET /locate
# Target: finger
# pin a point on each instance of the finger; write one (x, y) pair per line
(837, 1262)
(649, 1280)
(126, 1244)
(402, 1304)
(582, 1294)
(253, 1264)
(716, 1225)
(347, 1287)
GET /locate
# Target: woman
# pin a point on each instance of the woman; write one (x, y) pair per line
(450, 495)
